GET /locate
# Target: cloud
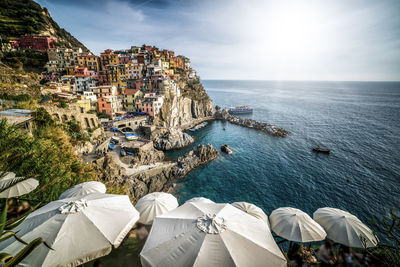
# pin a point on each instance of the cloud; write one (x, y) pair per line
(286, 39)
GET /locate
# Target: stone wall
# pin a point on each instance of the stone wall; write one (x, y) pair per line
(132, 124)
(73, 112)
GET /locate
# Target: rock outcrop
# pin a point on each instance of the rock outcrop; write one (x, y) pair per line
(153, 180)
(173, 139)
(110, 170)
(225, 148)
(159, 178)
(148, 156)
(200, 155)
(249, 123)
(84, 147)
(190, 104)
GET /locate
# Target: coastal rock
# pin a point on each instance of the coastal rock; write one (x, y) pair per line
(97, 134)
(153, 180)
(148, 156)
(249, 123)
(110, 171)
(200, 155)
(226, 149)
(193, 103)
(158, 179)
(83, 147)
(173, 139)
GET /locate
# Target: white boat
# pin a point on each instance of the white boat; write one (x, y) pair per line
(240, 110)
(131, 137)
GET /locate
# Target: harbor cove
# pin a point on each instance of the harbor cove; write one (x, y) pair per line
(358, 121)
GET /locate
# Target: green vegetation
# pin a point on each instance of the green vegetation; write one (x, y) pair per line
(103, 115)
(76, 133)
(63, 104)
(387, 253)
(22, 97)
(28, 60)
(47, 155)
(19, 17)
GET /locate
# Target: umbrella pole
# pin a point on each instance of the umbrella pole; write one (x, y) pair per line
(290, 245)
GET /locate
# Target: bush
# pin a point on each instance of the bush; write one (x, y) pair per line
(47, 155)
(63, 104)
(22, 97)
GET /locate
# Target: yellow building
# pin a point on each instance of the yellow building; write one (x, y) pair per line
(165, 65)
(117, 76)
(91, 62)
(130, 97)
(84, 104)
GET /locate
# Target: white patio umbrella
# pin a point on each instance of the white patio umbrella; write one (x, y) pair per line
(344, 228)
(155, 204)
(210, 234)
(295, 225)
(253, 210)
(79, 229)
(200, 199)
(83, 189)
(21, 188)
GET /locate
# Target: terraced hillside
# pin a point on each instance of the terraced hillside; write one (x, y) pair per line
(19, 17)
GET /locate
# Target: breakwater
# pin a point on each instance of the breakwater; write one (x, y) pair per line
(249, 123)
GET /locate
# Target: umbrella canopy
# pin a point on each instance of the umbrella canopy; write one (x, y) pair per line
(296, 225)
(21, 188)
(210, 234)
(84, 189)
(252, 209)
(155, 204)
(79, 229)
(200, 199)
(344, 228)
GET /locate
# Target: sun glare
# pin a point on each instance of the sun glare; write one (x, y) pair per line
(294, 33)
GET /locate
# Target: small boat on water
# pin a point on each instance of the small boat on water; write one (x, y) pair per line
(240, 110)
(131, 137)
(321, 150)
(199, 126)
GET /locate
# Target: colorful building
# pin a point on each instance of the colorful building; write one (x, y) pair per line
(150, 104)
(37, 42)
(130, 98)
(104, 90)
(110, 105)
(134, 71)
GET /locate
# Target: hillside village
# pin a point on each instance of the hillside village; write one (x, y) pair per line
(121, 109)
(116, 82)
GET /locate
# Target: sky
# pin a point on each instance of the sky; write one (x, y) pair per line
(342, 40)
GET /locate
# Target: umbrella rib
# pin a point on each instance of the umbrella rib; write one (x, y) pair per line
(259, 245)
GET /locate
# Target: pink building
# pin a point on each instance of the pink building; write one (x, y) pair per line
(150, 104)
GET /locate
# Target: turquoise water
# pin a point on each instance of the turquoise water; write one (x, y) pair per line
(358, 121)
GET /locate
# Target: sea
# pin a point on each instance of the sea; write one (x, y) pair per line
(358, 121)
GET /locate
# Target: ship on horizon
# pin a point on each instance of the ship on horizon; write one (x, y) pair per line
(240, 110)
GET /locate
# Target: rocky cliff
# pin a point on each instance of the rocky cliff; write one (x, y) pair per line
(173, 139)
(157, 178)
(19, 17)
(192, 104)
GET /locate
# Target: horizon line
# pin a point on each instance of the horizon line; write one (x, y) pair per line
(272, 80)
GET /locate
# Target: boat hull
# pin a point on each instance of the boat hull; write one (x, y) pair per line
(240, 111)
